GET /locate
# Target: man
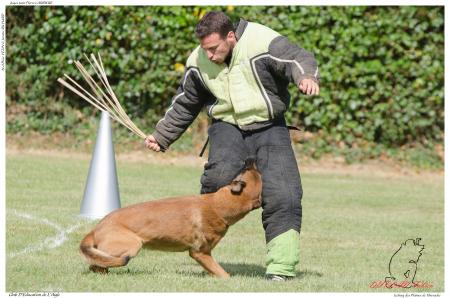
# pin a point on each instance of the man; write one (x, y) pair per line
(240, 74)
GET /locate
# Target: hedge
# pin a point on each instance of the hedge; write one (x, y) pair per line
(382, 68)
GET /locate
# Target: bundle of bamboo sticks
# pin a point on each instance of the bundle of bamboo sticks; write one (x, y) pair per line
(104, 99)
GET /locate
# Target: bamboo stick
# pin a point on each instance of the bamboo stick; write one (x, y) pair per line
(94, 102)
(100, 103)
(110, 91)
(116, 103)
(104, 101)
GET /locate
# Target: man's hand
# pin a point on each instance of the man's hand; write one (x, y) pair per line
(150, 143)
(309, 87)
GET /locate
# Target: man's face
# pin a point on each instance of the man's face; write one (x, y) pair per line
(218, 48)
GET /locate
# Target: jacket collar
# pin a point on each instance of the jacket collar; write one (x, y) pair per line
(240, 28)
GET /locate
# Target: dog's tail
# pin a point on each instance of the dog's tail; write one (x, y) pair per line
(97, 257)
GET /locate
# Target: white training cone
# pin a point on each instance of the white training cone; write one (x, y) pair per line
(101, 195)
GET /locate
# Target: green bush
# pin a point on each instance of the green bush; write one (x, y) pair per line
(382, 68)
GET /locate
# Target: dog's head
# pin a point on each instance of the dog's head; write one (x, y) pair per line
(248, 183)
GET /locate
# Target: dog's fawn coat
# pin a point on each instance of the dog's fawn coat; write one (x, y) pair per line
(193, 223)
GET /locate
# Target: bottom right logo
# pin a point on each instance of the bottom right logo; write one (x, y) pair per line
(403, 267)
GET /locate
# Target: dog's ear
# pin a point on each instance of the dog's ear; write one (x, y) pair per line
(237, 186)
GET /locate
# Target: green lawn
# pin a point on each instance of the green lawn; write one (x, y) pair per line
(352, 225)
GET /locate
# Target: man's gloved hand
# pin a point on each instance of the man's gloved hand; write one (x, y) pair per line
(309, 87)
(150, 143)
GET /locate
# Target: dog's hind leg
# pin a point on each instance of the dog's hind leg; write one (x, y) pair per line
(125, 257)
(119, 245)
(132, 250)
(123, 246)
(206, 260)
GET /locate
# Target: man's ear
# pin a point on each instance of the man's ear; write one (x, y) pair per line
(231, 36)
(237, 187)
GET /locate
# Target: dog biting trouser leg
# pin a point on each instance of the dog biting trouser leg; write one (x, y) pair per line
(283, 253)
(282, 189)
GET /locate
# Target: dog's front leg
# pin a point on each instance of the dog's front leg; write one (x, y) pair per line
(207, 262)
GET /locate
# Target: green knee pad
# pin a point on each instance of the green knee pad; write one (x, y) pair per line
(283, 253)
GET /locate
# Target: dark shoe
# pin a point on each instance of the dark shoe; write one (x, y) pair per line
(278, 277)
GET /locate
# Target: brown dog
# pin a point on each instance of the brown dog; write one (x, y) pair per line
(194, 223)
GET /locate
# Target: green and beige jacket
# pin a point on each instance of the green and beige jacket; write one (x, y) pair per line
(251, 92)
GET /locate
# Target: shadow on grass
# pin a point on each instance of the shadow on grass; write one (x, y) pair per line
(234, 269)
(123, 271)
(253, 270)
(242, 269)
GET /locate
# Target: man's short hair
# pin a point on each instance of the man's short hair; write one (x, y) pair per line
(214, 22)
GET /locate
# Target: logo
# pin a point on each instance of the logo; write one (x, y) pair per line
(403, 267)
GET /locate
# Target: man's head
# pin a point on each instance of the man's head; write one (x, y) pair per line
(216, 35)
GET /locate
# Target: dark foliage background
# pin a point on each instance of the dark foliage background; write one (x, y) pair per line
(382, 68)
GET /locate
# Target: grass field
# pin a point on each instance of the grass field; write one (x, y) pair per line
(352, 225)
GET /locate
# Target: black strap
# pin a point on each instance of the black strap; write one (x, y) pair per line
(204, 147)
(290, 127)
